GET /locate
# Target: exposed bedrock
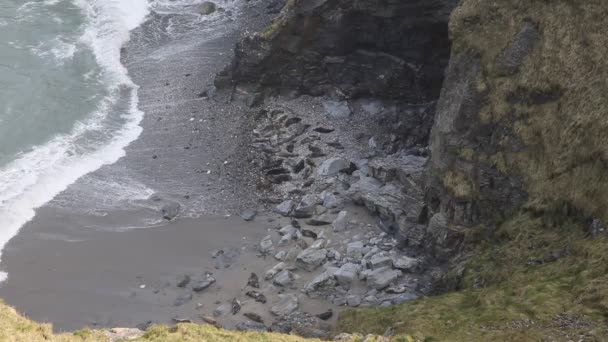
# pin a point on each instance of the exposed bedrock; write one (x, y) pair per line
(366, 48)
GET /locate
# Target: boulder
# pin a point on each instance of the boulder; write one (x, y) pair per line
(354, 250)
(382, 277)
(266, 245)
(207, 8)
(379, 261)
(406, 263)
(332, 166)
(322, 284)
(332, 201)
(222, 310)
(170, 210)
(248, 215)
(353, 300)
(271, 273)
(346, 274)
(341, 222)
(287, 304)
(302, 324)
(182, 299)
(283, 278)
(310, 259)
(337, 109)
(284, 208)
(306, 207)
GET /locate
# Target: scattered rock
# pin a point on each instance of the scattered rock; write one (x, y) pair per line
(248, 215)
(280, 256)
(406, 264)
(382, 277)
(306, 207)
(284, 278)
(341, 222)
(284, 208)
(381, 261)
(207, 8)
(266, 245)
(302, 324)
(353, 300)
(354, 250)
(310, 259)
(124, 334)
(332, 201)
(322, 284)
(274, 270)
(337, 109)
(332, 167)
(346, 274)
(170, 210)
(287, 304)
(257, 296)
(253, 281)
(222, 310)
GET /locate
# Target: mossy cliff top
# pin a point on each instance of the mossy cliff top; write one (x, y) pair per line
(523, 114)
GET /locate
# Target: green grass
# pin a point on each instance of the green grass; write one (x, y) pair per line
(506, 296)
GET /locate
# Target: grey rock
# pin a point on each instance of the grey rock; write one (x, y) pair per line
(346, 274)
(511, 59)
(382, 277)
(404, 297)
(311, 259)
(271, 273)
(182, 299)
(306, 207)
(248, 215)
(332, 167)
(266, 245)
(288, 230)
(379, 261)
(318, 244)
(332, 201)
(284, 208)
(251, 326)
(341, 222)
(321, 284)
(170, 210)
(207, 8)
(280, 256)
(283, 278)
(302, 324)
(353, 300)
(222, 310)
(406, 263)
(287, 304)
(337, 109)
(354, 250)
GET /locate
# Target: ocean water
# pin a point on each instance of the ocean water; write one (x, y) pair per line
(67, 104)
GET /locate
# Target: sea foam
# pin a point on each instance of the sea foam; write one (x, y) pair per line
(37, 176)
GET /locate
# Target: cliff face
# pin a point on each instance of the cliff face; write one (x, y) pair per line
(364, 48)
(522, 115)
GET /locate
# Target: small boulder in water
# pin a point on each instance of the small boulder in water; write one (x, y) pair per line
(207, 8)
(170, 210)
